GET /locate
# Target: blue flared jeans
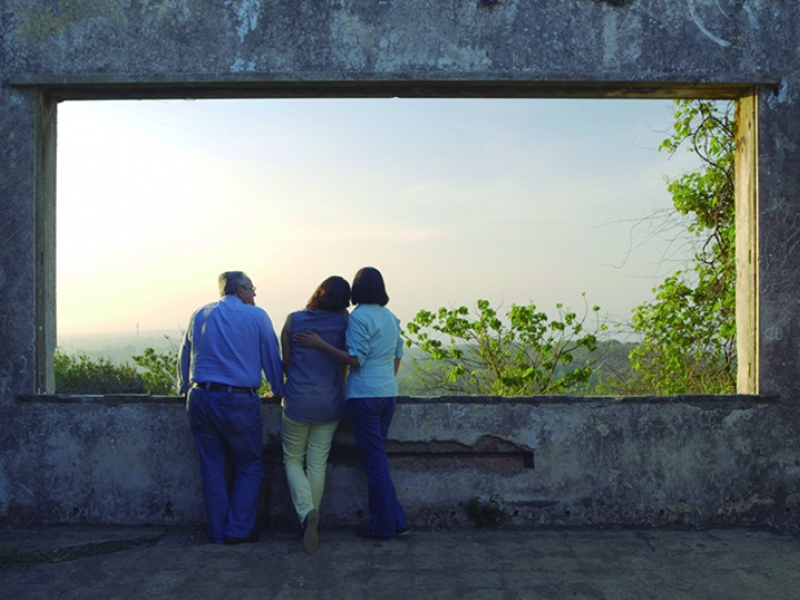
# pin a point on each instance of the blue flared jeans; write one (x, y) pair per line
(370, 418)
(228, 426)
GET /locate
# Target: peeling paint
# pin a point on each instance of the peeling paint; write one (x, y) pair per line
(247, 16)
(780, 95)
(240, 66)
(621, 45)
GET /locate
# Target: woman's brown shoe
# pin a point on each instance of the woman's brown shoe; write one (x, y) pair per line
(310, 532)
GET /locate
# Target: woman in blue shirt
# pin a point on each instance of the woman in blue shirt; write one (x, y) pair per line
(373, 349)
(313, 400)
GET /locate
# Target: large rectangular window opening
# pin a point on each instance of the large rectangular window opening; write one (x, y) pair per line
(514, 201)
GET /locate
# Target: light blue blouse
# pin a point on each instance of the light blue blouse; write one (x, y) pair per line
(373, 337)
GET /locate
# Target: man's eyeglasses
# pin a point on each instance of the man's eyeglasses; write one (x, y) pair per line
(252, 288)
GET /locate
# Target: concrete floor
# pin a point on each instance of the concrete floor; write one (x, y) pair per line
(151, 563)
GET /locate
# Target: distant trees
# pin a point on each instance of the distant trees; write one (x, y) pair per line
(154, 373)
(81, 374)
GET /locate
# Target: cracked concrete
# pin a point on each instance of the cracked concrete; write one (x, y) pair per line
(465, 564)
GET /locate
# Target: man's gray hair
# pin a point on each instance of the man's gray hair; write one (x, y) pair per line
(229, 282)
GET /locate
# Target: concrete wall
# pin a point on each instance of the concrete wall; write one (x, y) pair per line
(51, 50)
(550, 461)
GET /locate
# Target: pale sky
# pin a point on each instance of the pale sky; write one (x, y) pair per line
(511, 201)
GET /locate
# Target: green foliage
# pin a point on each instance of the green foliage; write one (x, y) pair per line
(265, 387)
(155, 373)
(82, 375)
(524, 354)
(159, 372)
(689, 330)
(490, 513)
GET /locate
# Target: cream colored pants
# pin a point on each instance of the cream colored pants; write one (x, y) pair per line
(305, 456)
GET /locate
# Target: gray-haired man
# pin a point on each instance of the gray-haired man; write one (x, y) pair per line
(227, 346)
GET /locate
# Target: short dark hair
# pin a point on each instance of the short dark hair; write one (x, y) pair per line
(333, 294)
(368, 287)
(229, 282)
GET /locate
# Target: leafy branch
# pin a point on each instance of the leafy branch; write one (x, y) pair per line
(526, 353)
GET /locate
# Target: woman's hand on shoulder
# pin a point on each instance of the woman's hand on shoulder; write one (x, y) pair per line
(308, 339)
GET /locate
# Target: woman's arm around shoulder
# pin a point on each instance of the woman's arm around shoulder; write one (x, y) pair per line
(311, 339)
(286, 344)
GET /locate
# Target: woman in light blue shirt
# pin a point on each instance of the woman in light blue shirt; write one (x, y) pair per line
(373, 349)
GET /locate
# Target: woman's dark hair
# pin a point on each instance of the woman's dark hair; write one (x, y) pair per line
(368, 287)
(333, 294)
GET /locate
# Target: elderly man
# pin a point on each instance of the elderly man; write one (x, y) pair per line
(225, 349)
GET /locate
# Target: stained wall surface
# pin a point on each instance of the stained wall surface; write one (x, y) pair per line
(52, 50)
(547, 461)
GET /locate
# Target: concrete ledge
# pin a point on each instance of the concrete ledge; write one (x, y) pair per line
(550, 461)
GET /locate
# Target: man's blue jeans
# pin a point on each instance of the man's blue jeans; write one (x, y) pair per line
(228, 426)
(370, 418)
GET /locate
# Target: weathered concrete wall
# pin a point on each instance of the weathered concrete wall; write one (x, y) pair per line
(591, 455)
(575, 40)
(550, 461)
(51, 50)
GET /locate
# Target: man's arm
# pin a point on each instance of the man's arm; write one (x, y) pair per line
(184, 361)
(286, 344)
(271, 356)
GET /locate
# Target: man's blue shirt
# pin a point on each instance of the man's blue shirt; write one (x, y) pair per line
(230, 342)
